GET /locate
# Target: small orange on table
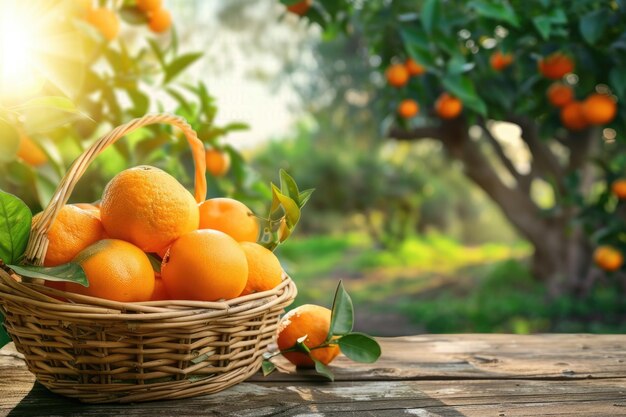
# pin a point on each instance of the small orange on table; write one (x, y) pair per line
(313, 322)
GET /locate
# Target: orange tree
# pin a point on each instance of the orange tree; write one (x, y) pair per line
(555, 69)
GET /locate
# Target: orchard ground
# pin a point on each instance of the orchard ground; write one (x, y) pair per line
(434, 284)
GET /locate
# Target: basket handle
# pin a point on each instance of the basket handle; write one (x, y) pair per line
(38, 242)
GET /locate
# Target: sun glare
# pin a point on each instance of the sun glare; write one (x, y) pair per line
(37, 45)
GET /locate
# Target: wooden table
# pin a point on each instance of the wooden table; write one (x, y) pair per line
(428, 376)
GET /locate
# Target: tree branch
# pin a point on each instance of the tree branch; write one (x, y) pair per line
(522, 180)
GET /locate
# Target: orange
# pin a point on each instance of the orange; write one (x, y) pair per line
(448, 107)
(264, 270)
(311, 321)
(619, 188)
(30, 152)
(147, 207)
(116, 270)
(608, 258)
(72, 231)
(205, 265)
(397, 75)
(217, 162)
(160, 21)
(560, 94)
(573, 116)
(599, 109)
(105, 20)
(555, 66)
(301, 7)
(500, 61)
(413, 67)
(147, 6)
(231, 217)
(90, 208)
(160, 292)
(408, 108)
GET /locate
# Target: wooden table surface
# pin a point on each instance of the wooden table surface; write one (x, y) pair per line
(429, 376)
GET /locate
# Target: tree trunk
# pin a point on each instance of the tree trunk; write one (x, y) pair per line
(562, 254)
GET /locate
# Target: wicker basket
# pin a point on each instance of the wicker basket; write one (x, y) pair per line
(101, 351)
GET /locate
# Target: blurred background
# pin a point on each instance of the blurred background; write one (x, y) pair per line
(502, 217)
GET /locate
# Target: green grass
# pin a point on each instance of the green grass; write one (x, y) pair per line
(434, 284)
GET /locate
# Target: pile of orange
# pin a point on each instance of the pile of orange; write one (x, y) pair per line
(107, 21)
(597, 109)
(206, 251)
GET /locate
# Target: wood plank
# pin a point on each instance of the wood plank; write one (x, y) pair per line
(431, 375)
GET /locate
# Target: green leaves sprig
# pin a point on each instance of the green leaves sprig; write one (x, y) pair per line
(359, 347)
(15, 221)
(287, 202)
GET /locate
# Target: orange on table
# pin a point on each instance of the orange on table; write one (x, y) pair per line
(264, 270)
(160, 20)
(72, 231)
(231, 217)
(30, 152)
(147, 6)
(205, 265)
(147, 207)
(307, 320)
(599, 109)
(217, 162)
(608, 258)
(500, 61)
(447, 106)
(105, 20)
(300, 8)
(116, 270)
(160, 292)
(413, 67)
(560, 94)
(573, 116)
(555, 66)
(408, 108)
(397, 75)
(618, 187)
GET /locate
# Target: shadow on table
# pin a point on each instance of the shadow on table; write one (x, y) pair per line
(239, 400)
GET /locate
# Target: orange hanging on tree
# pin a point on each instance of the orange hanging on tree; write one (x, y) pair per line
(414, 68)
(408, 108)
(573, 116)
(560, 94)
(555, 66)
(448, 107)
(397, 75)
(619, 188)
(500, 61)
(105, 20)
(608, 258)
(599, 109)
(300, 8)
(217, 162)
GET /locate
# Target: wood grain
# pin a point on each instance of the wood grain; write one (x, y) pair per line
(428, 376)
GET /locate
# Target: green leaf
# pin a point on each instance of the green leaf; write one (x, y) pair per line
(324, 370)
(156, 264)
(543, 25)
(289, 187)
(342, 313)
(177, 66)
(430, 15)
(463, 88)
(592, 25)
(69, 272)
(9, 141)
(140, 101)
(617, 80)
(230, 127)
(132, 15)
(290, 2)
(43, 114)
(304, 197)
(292, 212)
(498, 10)
(268, 367)
(15, 222)
(154, 45)
(360, 347)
